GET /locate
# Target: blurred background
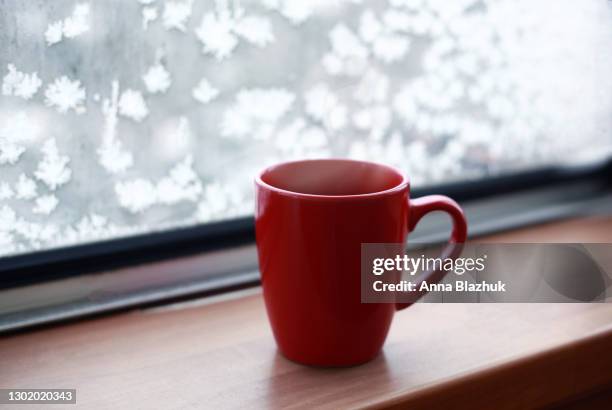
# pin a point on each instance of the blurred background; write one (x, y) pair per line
(118, 117)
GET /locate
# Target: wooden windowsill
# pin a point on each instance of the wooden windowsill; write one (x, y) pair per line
(220, 353)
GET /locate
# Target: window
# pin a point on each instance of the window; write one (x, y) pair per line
(119, 117)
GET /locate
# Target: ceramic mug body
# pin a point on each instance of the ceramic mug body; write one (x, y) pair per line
(311, 218)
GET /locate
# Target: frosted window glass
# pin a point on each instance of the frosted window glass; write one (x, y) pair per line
(124, 116)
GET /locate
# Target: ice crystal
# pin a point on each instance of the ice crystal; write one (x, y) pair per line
(215, 201)
(54, 33)
(111, 153)
(176, 14)
(136, 195)
(181, 184)
(25, 187)
(157, 79)
(45, 204)
(219, 33)
(216, 35)
(78, 23)
(72, 26)
(64, 95)
(323, 105)
(296, 11)
(256, 112)
(20, 84)
(16, 129)
(132, 105)
(348, 55)
(10, 152)
(204, 92)
(256, 30)
(149, 14)
(6, 192)
(387, 45)
(53, 170)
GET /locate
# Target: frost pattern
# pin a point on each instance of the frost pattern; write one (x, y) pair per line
(189, 100)
(25, 188)
(45, 204)
(20, 84)
(323, 106)
(15, 131)
(132, 105)
(149, 15)
(53, 169)
(219, 32)
(10, 152)
(255, 113)
(176, 14)
(70, 27)
(6, 192)
(157, 79)
(136, 195)
(65, 95)
(298, 11)
(181, 184)
(111, 154)
(386, 45)
(204, 92)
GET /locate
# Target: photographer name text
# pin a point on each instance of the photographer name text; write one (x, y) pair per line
(459, 286)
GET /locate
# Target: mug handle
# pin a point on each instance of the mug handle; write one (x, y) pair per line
(420, 207)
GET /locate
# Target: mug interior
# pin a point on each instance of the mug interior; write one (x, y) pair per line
(332, 177)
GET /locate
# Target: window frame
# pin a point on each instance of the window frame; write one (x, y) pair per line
(103, 256)
(192, 264)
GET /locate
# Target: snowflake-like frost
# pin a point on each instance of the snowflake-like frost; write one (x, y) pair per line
(182, 184)
(72, 26)
(157, 79)
(111, 154)
(10, 152)
(19, 127)
(204, 92)
(132, 105)
(256, 112)
(78, 23)
(65, 95)
(6, 192)
(176, 14)
(256, 30)
(45, 204)
(25, 188)
(215, 34)
(219, 32)
(53, 170)
(136, 195)
(324, 106)
(20, 84)
(149, 15)
(348, 55)
(54, 33)
(386, 45)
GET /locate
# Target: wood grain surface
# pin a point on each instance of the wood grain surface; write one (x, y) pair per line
(220, 354)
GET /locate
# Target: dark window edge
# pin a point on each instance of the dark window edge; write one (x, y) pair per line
(230, 269)
(58, 263)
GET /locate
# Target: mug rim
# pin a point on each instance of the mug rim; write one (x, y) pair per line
(404, 184)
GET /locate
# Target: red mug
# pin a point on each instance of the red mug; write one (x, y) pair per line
(311, 218)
